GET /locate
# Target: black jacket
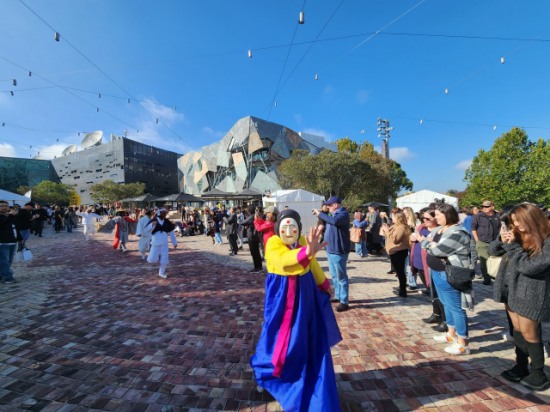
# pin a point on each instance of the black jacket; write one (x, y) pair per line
(9, 234)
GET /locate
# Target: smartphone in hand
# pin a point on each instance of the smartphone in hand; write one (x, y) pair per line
(503, 227)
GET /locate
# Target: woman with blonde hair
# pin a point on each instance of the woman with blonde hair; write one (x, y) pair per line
(411, 222)
(397, 246)
(527, 246)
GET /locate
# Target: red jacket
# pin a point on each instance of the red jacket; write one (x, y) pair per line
(266, 227)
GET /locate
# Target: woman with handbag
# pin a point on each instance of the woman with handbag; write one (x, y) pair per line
(358, 235)
(397, 247)
(527, 248)
(450, 243)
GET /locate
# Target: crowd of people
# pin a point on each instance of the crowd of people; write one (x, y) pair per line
(443, 248)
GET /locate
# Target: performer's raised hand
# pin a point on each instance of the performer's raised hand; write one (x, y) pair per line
(313, 245)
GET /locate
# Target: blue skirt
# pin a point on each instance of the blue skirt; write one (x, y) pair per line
(306, 380)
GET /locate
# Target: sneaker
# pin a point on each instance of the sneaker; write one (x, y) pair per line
(163, 275)
(507, 338)
(457, 349)
(335, 300)
(444, 338)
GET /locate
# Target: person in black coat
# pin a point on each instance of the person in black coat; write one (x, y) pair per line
(527, 273)
(9, 237)
(231, 226)
(253, 239)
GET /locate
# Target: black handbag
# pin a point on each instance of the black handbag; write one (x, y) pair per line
(458, 277)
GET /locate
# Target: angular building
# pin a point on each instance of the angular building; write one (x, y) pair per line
(17, 172)
(121, 160)
(245, 158)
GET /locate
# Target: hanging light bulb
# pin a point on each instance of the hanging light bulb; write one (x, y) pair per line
(14, 82)
(56, 36)
(128, 100)
(157, 121)
(97, 109)
(495, 127)
(99, 95)
(421, 121)
(301, 18)
(11, 92)
(446, 91)
(316, 76)
(250, 54)
(3, 124)
(502, 60)
(275, 104)
(30, 73)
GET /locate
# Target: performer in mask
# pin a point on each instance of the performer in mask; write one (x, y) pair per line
(293, 360)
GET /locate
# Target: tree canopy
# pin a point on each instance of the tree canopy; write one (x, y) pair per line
(514, 170)
(356, 173)
(109, 192)
(47, 192)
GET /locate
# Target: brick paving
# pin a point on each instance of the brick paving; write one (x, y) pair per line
(90, 328)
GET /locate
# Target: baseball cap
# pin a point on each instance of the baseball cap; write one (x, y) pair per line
(333, 199)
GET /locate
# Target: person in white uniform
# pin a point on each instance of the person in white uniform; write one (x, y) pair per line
(161, 228)
(89, 219)
(144, 233)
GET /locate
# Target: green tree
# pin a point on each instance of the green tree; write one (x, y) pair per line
(23, 189)
(47, 192)
(512, 171)
(356, 173)
(109, 192)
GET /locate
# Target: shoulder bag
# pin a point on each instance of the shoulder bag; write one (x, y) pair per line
(458, 277)
(493, 263)
(355, 234)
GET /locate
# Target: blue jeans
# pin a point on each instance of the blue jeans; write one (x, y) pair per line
(218, 238)
(25, 233)
(450, 297)
(7, 252)
(337, 269)
(361, 248)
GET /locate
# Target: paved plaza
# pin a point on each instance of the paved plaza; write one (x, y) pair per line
(87, 327)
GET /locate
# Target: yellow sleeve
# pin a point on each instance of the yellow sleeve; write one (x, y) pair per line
(318, 273)
(283, 261)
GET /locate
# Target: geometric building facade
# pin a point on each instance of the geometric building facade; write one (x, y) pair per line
(121, 160)
(17, 172)
(245, 158)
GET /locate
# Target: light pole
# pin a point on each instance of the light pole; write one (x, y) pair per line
(384, 130)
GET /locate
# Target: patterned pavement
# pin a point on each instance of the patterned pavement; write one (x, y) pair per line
(91, 328)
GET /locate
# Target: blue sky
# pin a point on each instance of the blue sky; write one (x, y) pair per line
(185, 69)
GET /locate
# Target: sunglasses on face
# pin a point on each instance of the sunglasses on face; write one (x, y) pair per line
(427, 219)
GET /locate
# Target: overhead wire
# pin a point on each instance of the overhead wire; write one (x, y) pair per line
(284, 67)
(90, 61)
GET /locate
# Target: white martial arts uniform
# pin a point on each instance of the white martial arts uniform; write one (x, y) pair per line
(143, 231)
(88, 221)
(159, 244)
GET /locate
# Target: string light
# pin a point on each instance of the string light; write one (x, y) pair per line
(56, 36)
(446, 91)
(502, 60)
(249, 54)
(301, 17)
(316, 76)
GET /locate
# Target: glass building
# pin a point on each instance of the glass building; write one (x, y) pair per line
(16, 172)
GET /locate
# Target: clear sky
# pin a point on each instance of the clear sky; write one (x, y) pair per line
(176, 74)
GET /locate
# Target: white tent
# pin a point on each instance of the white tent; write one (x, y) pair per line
(299, 200)
(13, 198)
(423, 198)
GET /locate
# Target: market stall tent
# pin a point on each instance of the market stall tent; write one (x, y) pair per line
(423, 198)
(300, 200)
(13, 198)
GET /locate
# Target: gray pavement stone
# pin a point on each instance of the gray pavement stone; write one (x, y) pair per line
(87, 327)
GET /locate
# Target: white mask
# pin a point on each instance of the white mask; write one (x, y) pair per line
(288, 230)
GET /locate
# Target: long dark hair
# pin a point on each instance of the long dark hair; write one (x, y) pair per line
(536, 226)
